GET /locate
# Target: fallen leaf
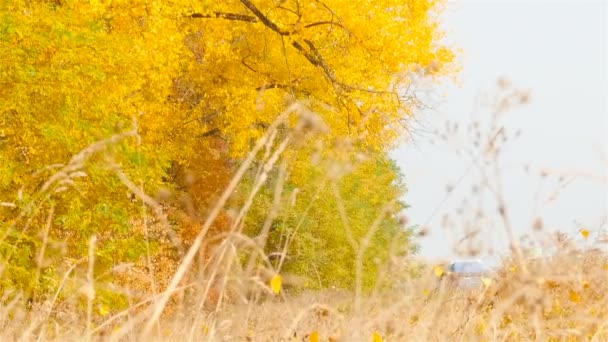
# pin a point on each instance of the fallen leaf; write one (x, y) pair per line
(574, 296)
(104, 310)
(376, 337)
(486, 281)
(439, 271)
(275, 283)
(314, 336)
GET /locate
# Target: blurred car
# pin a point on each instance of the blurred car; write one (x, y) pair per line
(468, 274)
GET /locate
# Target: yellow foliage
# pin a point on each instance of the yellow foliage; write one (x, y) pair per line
(199, 81)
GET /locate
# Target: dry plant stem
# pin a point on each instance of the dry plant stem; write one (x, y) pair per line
(90, 287)
(460, 179)
(8, 308)
(61, 285)
(148, 256)
(231, 258)
(45, 237)
(63, 178)
(276, 204)
(261, 179)
(74, 167)
(290, 237)
(121, 332)
(274, 210)
(158, 209)
(361, 252)
(436, 313)
(344, 217)
(26, 227)
(502, 210)
(196, 244)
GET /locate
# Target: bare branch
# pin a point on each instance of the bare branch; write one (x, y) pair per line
(328, 22)
(227, 16)
(264, 19)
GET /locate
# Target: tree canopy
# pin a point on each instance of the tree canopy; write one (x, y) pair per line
(202, 81)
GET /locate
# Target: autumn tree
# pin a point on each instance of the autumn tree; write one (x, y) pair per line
(103, 102)
(322, 225)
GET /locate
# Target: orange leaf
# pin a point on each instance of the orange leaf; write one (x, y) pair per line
(314, 336)
(574, 296)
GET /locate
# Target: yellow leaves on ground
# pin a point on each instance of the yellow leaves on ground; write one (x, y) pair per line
(376, 337)
(439, 271)
(316, 337)
(574, 296)
(276, 283)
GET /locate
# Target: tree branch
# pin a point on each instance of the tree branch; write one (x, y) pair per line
(227, 16)
(264, 19)
(211, 132)
(332, 23)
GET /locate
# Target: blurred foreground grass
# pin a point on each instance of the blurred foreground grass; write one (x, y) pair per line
(559, 298)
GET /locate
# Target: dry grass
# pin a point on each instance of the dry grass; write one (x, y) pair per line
(564, 298)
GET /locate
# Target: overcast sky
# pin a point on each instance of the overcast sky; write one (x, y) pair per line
(557, 50)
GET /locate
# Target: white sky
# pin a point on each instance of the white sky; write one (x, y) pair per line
(557, 50)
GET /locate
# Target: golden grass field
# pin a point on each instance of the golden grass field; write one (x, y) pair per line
(563, 298)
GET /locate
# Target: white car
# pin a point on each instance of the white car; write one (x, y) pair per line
(467, 274)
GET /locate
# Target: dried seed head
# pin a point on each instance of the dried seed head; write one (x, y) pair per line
(423, 232)
(503, 83)
(538, 224)
(403, 220)
(449, 188)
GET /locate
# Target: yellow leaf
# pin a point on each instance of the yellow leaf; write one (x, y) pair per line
(574, 296)
(376, 337)
(314, 336)
(585, 233)
(275, 283)
(439, 271)
(486, 281)
(104, 310)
